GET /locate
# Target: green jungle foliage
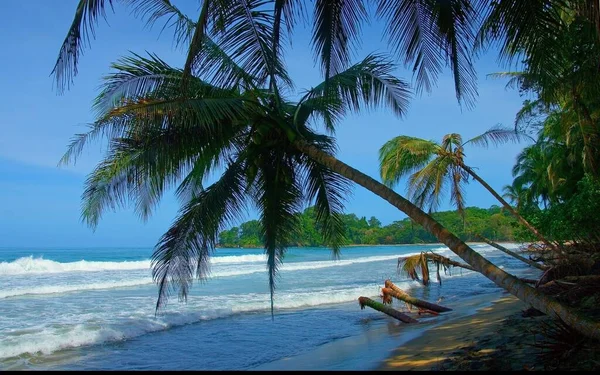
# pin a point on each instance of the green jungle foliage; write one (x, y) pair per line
(493, 223)
(574, 219)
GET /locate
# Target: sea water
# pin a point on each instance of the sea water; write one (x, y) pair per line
(89, 309)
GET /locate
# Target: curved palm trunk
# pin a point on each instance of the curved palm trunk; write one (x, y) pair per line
(508, 207)
(364, 301)
(512, 253)
(586, 125)
(501, 278)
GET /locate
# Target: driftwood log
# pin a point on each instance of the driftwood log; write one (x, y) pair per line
(365, 301)
(392, 290)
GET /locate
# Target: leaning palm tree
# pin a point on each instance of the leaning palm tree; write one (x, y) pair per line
(432, 166)
(224, 111)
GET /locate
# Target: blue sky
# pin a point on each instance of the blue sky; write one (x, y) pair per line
(40, 202)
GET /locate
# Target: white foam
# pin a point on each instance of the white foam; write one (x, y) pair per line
(55, 289)
(250, 258)
(304, 266)
(56, 337)
(225, 267)
(31, 265)
(311, 298)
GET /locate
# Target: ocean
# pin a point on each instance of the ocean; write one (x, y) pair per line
(94, 309)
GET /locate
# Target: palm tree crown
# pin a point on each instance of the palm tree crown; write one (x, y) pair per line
(172, 128)
(431, 167)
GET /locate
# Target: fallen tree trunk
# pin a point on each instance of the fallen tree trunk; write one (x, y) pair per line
(575, 319)
(398, 293)
(446, 262)
(364, 301)
(436, 258)
(581, 278)
(420, 261)
(512, 253)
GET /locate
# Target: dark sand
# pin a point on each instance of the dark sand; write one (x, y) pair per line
(497, 337)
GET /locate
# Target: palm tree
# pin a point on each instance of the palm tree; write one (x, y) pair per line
(514, 194)
(224, 111)
(559, 44)
(432, 166)
(547, 171)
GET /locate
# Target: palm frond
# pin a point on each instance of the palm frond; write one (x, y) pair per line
(458, 177)
(135, 77)
(327, 109)
(524, 28)
(293, 11)
(515, 79)
(204, 116)
(403, 155)
(153, 10)
(195, 44)
(86, 17)
(286, 12)
(184, 250)
(142, 165)
(248, 40)
(413, 264)
(427, 186)
(278, 196)
(368, 83)
(329, 191)
(106, 187)
(498, 135)
(79, 141)
(336, 25)
(529, 118)
(186, 112)
(221, 69)
(87, 14)
(430, 33)
(512, 194)
(451, 142)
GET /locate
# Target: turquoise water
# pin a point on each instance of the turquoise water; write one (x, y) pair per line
(83, 309)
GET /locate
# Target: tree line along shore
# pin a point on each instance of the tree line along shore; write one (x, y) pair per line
(493, 223)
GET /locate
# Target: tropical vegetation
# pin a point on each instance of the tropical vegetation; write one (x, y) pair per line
(226, 110)
(430, 167)
(493, 223)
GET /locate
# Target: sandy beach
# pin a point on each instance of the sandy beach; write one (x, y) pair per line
(497, 337)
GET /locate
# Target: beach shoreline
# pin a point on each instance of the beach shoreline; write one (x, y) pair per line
(496, 337)
(400, 346)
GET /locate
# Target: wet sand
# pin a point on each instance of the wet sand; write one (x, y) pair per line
(472, 336)
(497, 337)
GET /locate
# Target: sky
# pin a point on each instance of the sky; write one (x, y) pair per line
(40, 202)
